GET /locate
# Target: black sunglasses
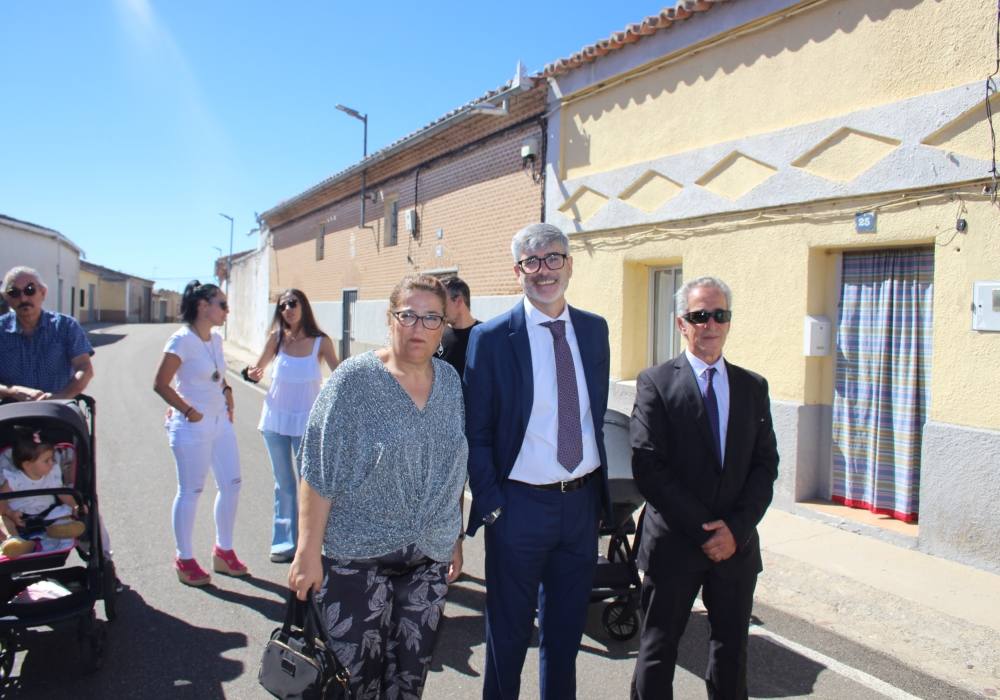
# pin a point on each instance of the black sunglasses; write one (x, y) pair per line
(700, 317)
(285, 305)
(28, 291)
(221, 304)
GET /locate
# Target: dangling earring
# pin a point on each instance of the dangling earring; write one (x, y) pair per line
(440, 351)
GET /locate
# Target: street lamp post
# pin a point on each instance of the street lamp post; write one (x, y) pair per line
(229, 268)
(363, 118)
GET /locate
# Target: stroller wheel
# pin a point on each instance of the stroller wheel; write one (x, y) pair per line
(620, 620)
(8, 648)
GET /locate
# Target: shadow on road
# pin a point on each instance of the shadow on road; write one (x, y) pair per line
(99, 339)
(149, 654)
(459, 632)
(773, 670)
(270, 608)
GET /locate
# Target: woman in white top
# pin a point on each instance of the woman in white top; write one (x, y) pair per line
(200, 426)
(297, 346)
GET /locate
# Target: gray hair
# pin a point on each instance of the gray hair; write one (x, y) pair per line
(681, 297)
(536, 237)
(15, 272)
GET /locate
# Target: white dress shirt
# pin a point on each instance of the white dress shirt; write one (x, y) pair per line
(721, 386)
(537, 462)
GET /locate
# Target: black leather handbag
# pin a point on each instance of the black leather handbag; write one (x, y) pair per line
(298, 661)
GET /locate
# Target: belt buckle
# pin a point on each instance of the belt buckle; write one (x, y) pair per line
(562, 486)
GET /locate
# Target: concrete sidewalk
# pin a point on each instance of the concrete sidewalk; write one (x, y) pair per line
(935, 615)
(930, 613)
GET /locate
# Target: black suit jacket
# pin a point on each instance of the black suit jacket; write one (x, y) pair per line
(679, 475)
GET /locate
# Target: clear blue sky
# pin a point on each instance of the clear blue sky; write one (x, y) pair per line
(128, 125)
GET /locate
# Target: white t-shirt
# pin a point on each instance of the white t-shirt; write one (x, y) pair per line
(200, 359)
(19, 481)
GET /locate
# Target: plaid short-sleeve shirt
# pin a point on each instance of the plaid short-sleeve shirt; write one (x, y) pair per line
(42, 360)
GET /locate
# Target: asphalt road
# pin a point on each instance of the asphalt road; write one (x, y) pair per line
(171, 641)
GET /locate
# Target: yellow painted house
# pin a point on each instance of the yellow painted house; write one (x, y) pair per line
(831, 161)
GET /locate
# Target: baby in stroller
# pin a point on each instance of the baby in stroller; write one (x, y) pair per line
(29, 519)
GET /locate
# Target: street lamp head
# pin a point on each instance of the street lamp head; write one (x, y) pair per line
(226, 216)
(352, 112)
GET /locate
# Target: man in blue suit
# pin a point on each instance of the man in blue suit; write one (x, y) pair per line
(536, 389)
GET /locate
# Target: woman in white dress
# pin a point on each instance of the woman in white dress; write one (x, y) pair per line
(297, 346)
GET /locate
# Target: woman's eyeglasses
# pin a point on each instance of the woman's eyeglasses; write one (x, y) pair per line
(28, 290)
(700, 317)
(286, 305)
(409, 319)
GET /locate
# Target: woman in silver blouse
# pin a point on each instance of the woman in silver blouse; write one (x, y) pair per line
(380, 521)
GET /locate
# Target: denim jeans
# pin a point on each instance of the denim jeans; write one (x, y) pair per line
(284, 451)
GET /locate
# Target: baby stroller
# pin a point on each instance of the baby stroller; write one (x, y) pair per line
(37, 589)
(617, 576)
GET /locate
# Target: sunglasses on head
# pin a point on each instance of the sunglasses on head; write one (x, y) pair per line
(700, 317)
(285, 305)
(28, 291)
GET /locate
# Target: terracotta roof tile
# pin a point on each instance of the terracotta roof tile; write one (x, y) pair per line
(631, 34)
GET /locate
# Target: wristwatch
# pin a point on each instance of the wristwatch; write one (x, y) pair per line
(491, 518)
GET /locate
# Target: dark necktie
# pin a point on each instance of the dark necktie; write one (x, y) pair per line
(569, 444)
(712, 408)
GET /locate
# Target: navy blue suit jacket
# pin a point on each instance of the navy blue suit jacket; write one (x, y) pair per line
(499, 392)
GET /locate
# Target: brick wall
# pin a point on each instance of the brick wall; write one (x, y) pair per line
(478, 196)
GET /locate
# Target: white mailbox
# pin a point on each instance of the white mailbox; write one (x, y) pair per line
(986, 306)
(816, 336)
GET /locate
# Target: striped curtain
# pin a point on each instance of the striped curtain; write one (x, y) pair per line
(883, 379)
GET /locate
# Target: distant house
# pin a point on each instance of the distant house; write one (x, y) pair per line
(117, 297)
(56, 258)
(166, 306)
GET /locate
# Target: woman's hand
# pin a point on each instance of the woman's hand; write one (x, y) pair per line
(255, 373)
(306, 573)
(455, 566)
(194, 415)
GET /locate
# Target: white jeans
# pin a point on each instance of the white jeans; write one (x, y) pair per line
(211, 442)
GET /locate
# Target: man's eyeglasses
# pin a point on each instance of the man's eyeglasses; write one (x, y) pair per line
(700, 317)
(532, 264)
(409, 319)
(28, 290)
(286, 305)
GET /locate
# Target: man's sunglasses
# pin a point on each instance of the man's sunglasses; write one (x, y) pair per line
(285, 305)
(700, 317)
(28, 291)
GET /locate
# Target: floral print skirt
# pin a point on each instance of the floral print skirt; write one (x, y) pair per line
(382, 615)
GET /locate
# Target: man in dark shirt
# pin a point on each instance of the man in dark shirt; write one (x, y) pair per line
(460, 324)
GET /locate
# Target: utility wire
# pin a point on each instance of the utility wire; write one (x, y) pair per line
(991, 89)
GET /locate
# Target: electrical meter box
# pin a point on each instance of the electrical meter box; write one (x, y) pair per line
(816, 334)
(986, 306)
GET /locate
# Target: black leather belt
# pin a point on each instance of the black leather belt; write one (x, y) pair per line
(562, 486)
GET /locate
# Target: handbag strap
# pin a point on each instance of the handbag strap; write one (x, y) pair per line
(312, 624)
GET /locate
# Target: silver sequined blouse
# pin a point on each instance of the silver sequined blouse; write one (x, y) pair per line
(393, 473)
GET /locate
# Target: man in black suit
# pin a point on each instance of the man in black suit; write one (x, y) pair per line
(705, 459)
